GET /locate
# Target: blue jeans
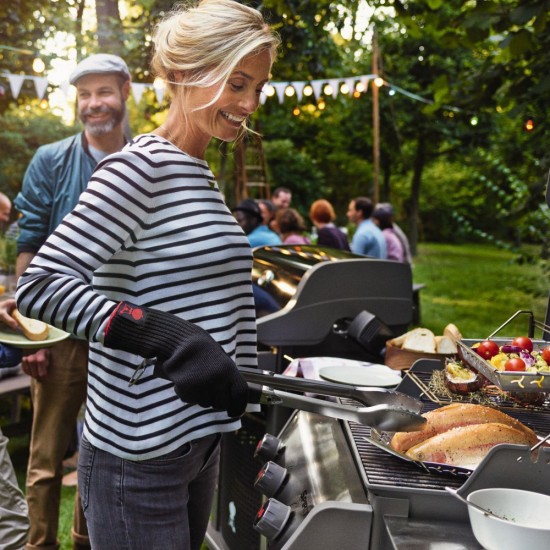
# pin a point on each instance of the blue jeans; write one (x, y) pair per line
(158, 504)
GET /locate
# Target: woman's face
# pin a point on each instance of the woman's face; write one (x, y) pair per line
(239, 99)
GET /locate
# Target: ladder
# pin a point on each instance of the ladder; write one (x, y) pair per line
(250, 168)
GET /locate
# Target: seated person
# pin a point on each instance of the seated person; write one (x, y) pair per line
(249, 217)
(290, 225)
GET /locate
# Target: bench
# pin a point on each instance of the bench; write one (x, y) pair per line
(14, 387)
(416, 302)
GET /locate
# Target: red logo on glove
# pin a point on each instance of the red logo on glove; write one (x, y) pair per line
(136, 313)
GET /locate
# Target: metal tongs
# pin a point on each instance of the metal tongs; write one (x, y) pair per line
(385, 410)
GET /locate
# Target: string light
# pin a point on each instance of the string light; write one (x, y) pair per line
(344, 89)
(296, 111)
(378, 82)
(360, 87)
(38, 65)
(328, 90)
(289, 91)
(269, 90)
(308, 90)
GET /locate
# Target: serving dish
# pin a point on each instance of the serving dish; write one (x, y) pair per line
(506, 380)
(525, 523)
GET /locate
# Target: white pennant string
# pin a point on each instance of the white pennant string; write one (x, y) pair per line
(299, 87)
(137, 91)
(40, 85)
(16, 81)
(316, 85)
(280, 89)
(335, 84)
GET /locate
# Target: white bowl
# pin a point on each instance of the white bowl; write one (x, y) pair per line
(527, 524)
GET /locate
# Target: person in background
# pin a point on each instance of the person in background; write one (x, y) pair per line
(368, 239)
(153, 270)
(268, 210)
(5, 211)
(249, 217)
(322, 215)
(14, 519)
(399, 232)
(281, 198)
(290, 225)
(56, 176)
(382, 216)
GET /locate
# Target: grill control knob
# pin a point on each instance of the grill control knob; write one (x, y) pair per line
(272, 518)
(270, 479)
(268, 447)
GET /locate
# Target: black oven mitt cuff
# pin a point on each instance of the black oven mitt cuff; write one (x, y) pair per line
(185, 354)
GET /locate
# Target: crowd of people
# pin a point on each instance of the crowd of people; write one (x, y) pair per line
(128, 245)
(274, 222)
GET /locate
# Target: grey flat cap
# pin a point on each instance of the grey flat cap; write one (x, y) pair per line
(100, 63)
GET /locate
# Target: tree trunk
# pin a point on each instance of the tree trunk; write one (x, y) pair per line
(419, 161)
(109, 27)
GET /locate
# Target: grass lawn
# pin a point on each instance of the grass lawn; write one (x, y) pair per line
(476, 287)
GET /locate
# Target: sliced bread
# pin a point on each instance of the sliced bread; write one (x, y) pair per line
(444, 344)
(32, 328)
(420, 339)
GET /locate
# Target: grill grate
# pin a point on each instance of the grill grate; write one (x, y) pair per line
(383, 470)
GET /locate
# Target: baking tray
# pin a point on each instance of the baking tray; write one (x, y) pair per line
(506, 380)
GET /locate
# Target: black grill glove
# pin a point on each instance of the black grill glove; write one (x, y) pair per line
(186, 354)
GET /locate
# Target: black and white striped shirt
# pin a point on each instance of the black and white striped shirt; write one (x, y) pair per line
(152, 228)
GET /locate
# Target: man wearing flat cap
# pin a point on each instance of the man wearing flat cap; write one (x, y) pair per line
(53, 182)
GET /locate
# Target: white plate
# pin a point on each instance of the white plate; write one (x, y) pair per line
(19, 340)
(373, 375)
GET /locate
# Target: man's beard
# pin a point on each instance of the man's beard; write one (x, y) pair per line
(104, 127)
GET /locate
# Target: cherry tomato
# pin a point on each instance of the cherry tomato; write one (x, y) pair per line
(514, 364)
(523, 342)
(546, 354)
(487, 349)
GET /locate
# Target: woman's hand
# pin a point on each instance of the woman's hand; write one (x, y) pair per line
(6, 308)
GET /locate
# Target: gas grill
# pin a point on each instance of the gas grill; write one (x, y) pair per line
(317, 482)
(327, 487)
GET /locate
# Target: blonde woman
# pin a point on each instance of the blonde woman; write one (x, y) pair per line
(152, 268)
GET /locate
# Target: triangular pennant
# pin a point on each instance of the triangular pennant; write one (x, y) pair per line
(40, 85)
(299, 87)
(316, 85)
(365, 81)
(16, 81)
(137, 91)
(350, 82)
(280, 89)
(159, 92)
(335, 83)
(65, 87)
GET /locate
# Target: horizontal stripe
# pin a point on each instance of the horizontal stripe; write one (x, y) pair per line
(151, 228)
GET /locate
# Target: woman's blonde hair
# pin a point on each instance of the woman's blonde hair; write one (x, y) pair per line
(206, 41)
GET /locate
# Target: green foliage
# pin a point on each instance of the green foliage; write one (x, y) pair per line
(22, 131)
(295, 170)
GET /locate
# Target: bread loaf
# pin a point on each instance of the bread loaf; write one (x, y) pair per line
(32, 328)
(452, 332)
(444, 344)
(420, 339)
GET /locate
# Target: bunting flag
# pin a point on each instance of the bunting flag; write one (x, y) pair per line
(317, 88)
(16, 81)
